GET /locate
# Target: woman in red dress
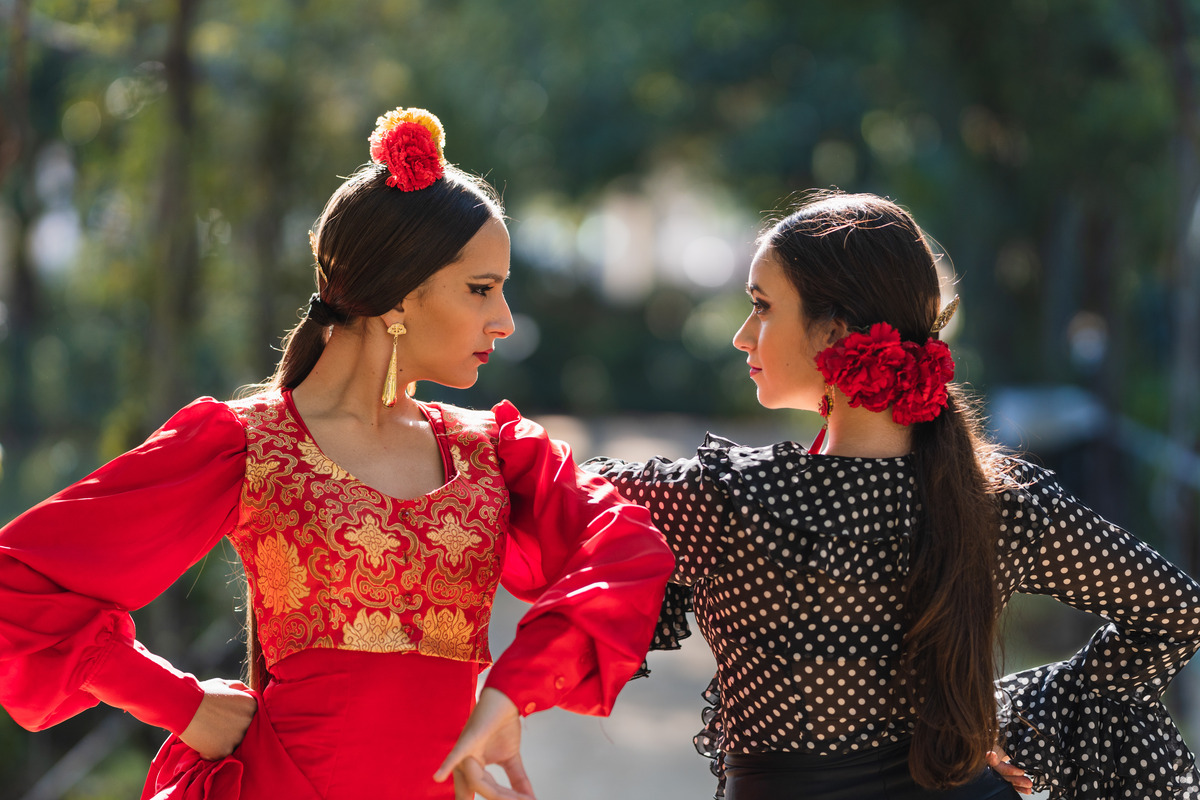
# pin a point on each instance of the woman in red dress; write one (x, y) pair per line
(373, 529)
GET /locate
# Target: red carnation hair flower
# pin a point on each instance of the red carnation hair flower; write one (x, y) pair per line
(876, 370)
(926, 395)
(409, 142)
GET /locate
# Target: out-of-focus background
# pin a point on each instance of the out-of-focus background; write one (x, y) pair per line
(161, 162)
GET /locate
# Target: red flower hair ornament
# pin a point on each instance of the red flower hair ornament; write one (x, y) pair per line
(410, 143)
(876, 370)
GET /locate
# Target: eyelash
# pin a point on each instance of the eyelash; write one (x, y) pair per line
(760, 307)
(482, 289)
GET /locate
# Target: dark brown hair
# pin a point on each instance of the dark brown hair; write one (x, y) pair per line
(374, 245)
(862, 259)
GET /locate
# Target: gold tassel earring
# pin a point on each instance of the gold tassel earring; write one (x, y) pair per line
(389, 385)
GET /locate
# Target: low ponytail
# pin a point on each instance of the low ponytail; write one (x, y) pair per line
(302, 348)
(948, 655)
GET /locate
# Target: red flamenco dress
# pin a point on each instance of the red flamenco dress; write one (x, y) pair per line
(372, 612)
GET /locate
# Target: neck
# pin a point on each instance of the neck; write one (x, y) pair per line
(348, 379)
(859, 433)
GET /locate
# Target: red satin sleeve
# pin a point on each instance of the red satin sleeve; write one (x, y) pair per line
(592, 564)
(72, 567)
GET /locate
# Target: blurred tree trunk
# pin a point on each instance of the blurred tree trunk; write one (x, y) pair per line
(175, 254)
(273, 192)
(1184, 400)
(1106, 473)
(1184, 385)
(18, 152)
(174, 280)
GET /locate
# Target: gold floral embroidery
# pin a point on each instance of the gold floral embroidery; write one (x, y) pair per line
(321, 463)
(282, 580)
(454, 537)
(258, 471)
(372, 538)
(460, 465)
(447, 634)
(377, 632)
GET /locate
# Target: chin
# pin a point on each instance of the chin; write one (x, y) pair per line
(767, 400)
(764, 400)
(462, 382)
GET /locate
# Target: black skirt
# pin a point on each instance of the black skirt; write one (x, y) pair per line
(880, 773)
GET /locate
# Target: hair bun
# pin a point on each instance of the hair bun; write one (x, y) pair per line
(410, 143)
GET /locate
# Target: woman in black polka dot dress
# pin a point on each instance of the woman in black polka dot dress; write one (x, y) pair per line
(850, 592)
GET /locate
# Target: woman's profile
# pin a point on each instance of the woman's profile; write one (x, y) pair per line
(850, 590)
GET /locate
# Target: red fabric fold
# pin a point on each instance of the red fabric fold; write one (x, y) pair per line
(260, 767)
(72, 567)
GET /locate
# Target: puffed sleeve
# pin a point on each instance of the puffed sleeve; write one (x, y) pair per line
(684, 502)
(593, 566)
(72, 567)
(1094, 726)
(693, 513)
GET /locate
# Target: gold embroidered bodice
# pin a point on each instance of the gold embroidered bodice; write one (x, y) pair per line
(333, 563)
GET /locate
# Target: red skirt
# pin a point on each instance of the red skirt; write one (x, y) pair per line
(335, 725)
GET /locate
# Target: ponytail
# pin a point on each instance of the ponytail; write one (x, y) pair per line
(302, 347)
(948, 657)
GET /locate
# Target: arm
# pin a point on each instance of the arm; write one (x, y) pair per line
(72, 568)
(692, 511)
(593, 566)
(1095, 725)
(684, 503)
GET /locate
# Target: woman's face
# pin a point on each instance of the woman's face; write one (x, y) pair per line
(455, 317)
(779, 344)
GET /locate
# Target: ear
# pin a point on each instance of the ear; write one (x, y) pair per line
(392, 317)
(836, 329)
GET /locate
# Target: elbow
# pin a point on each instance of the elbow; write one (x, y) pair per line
(664, 563)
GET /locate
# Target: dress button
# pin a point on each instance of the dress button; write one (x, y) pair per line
(560, 682)
(530, 708)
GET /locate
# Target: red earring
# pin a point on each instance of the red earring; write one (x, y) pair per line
(825, 409)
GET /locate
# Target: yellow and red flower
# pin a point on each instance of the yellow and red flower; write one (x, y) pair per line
(410, 143)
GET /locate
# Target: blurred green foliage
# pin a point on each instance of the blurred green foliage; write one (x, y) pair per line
(162, 160)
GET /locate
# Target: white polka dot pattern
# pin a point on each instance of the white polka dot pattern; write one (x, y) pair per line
(797, 564)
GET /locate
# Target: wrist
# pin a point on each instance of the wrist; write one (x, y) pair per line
(130, 677)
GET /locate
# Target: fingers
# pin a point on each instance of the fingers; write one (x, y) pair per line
(1010, 772)
(517, 778)
(447, 767)
(470, 778)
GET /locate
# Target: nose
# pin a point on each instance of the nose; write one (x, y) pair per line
(503, 324)
(746, 337)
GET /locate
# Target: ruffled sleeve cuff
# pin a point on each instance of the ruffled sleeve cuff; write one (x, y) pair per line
(129, 676)
(673, 625)
(1083, 745)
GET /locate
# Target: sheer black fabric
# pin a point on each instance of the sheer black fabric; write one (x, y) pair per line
(795, 564)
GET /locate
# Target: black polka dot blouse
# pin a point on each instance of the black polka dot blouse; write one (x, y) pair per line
(794, 565)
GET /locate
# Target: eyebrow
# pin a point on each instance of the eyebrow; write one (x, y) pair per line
(751, 288)
(489, 276)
